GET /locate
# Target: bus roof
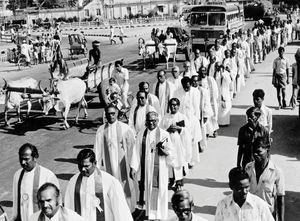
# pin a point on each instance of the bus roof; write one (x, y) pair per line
(216, 8)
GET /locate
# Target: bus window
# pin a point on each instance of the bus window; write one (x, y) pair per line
(217, 19)
(198, 19)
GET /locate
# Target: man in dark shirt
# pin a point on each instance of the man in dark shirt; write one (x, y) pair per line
(247, 134)
(94, 59)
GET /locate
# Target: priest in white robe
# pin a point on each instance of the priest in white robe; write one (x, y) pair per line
(175, 80)
(205, 107)
(151, 158)
(113, 148)
(137, 115)
(162, 91)
(151, 99)
(223, 80)
(49, 197)
(178, 127)
(198, 61)
(190, 106)
(95, 194)
(27, 181)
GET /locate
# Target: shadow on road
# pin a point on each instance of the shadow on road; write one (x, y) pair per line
(207, 183)
(90, 146)
(64, 176)
(292, 205)
(6, 203)
(66, 160)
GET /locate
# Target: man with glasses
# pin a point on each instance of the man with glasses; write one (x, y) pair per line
(151, 99)
(137, 114)
(241, 204)
(183, 205)
(177, 125)
(113, 145)
(188, 72)
(152, 156)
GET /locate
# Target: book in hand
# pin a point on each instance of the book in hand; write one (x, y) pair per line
(180, 123)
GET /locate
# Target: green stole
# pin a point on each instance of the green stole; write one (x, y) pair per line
(123, 166)
(155, 175)
(100, 215)
(36, 181)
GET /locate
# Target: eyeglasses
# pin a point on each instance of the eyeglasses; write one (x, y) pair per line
(185, 211)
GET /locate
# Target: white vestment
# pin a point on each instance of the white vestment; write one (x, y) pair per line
(174, 84)
(241, 69)
(211, 85)
(26, 199)
(61, 215)
(190, 107)
(223, 80)
(161, 212)
(140, 117)
(206, 112)
(151, 100)
(197, 63)
(115, 206)
(112, 156)
(182, 142)
(163, 96)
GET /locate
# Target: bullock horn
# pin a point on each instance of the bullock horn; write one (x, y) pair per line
(5, 84)
(40, 87)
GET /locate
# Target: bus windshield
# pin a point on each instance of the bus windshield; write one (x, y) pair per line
(216, 19)
(198, 19)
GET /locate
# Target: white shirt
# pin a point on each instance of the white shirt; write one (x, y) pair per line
(253, 209)
(270, 183)
(194, 218)
(69, 214)
(265, 118)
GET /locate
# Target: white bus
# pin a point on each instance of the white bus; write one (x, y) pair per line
(211, 21)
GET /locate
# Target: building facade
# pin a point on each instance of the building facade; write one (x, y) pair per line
(125, 9)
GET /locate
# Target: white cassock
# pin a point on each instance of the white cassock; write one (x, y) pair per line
(162, 92)
(62, 214)
(190, 107)
(246, 48)
(189, 73)
(211, 69)
(114, 143)
(182, 142)
(211, 85)
(241, 69)
(152, 100)
(152, 197)
(223, 80)
(174, 84)
(233, 73)
(137, 117)
(219, 55)
(205, 112)
(197, 63)
(27, 207)
(115, 205)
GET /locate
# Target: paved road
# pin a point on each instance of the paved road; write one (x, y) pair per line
(207, 181)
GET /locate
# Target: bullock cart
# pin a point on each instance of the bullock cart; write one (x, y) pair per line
(77, 45)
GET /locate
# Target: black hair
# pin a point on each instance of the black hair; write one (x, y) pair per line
(34, 151)
(174, 99)
(254, 110)
(85, 154)
(258, 93)
(263, 142)
(141, 85)
(185, 80)
(46, 186)
(235, 175)
(110, 106)
(140, 92)
(180, 196)
(118, 62)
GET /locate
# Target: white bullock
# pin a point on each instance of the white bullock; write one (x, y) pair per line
(62, 95)
(14, 99)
